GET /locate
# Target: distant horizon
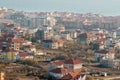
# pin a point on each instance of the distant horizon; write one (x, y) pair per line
(103, 7)
(61, 11)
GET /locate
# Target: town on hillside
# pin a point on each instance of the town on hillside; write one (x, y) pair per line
(58, 46)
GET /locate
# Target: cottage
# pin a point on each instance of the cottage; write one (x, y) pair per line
(73, 65)
(66, 70)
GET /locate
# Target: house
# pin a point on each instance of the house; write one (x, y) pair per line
(22, 56)
(44, 33)
(53, 43)
(65, 35)
(111, 63)
(73, 65)
(16, 43)
(86, 38)
(32, 48)
(39, 52)
(74, 76)
(66, 70)
(55, 64)
(106, 54)
(58, 73)
(10, 54)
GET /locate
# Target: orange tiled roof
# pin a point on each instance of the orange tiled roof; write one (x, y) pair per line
(70, 76)
(57, 62)
(18, 40)
(23, 54)
(72, 61)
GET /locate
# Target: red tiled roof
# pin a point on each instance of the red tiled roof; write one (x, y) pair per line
(70, 76)
(72, 61)
(18, 40)
(23, 54)
(60, 71)
(57, 62)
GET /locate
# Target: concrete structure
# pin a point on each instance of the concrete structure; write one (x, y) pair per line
(53, 43)
(44, 33)
(110, 63)
(106, 54)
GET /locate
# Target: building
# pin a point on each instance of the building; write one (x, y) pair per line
(9, 55)
(55, 64)
(86, 38)
(32, 48)
(66, 36)
(100, 36)
(44, 33)
(73, 34)
(66, 70)
(111, 63)
(16, 43)
(108, 42)
(96, 31)
(53, 43)
(22, 56)
(73, 65)
(104, 54)
(59, 28)
(58, 73)
(113, 34)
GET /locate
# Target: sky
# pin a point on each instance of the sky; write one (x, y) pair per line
(105, 7)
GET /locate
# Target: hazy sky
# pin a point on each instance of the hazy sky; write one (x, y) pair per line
(106, 7)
